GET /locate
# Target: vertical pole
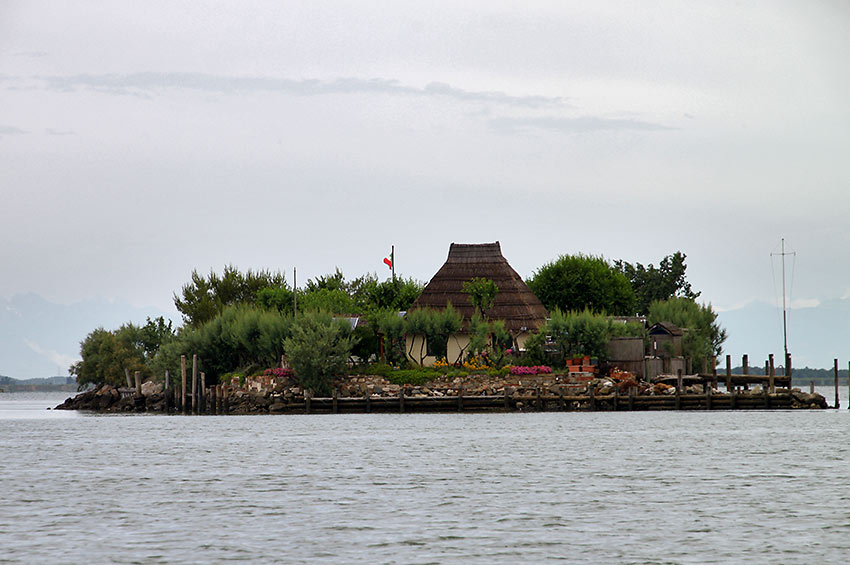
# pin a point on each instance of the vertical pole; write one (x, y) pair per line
(771, 382)
(183, 383)
(811, 387)
(631, 398)
(202, 399)
(788, 370)
(194, 384)
(392, 260)
(745, 361)
(294, 292)
(138, 376)
(335, 401)
(728, 373)
(679, 389)
(836, 385)
(168, 391)
(507, 398)
(127, 376)
(713, 371)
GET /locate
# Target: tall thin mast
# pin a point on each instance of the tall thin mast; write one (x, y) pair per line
(782, 254)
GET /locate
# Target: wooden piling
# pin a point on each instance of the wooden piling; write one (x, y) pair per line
(368, 398)
(335, 401)
(561, 405)
(194, 384)
(788, 371)
(225, 401)
(766, 399)
(127, 376)
(631, 398)
(708, 398)
(592, 393)
(460, 399)
(811, 387)
(771, 382)
(745, 362)
(837, 404)
(401, 400)
(168, 391)
(308, 397)
(508, 391)
(138, 376)
(183, 383)
(728, 373)
(202, 404)
(679, 389)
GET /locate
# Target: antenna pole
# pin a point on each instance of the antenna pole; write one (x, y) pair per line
(782, 254)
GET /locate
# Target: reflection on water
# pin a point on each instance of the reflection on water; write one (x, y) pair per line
(660, 487)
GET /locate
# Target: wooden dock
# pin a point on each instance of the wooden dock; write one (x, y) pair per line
(711, 400)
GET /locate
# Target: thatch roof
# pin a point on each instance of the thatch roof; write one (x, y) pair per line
(514, 303)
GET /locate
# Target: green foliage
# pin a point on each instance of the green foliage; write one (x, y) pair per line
(704, 336)
(578, 334)
(391, 326)
(237, 338)
(435, 326)
(482, 293)
(581, 282)
(535, 350)
(318, 350)
(331, 300)
(652, 284)
(276, 298)
(205, 297)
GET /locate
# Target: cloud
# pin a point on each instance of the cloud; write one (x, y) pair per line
(10, 130)
(572, 125)
(51, 131)
(57, 358)
(145, 84)
(802, 303)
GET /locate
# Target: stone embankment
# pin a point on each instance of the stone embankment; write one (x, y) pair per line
(537, 392)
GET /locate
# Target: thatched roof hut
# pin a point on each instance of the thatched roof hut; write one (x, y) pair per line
(521, 310)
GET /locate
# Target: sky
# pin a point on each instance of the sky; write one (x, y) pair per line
(140, 141)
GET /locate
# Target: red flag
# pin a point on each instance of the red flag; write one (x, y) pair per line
(388, 262)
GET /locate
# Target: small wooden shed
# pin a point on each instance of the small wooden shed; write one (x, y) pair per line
(665, 340)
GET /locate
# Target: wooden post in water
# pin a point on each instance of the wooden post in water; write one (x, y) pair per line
(401, 399)
(335, 401)
(202, 404)
(168, 390)
(631, 398)
(127, 376)
(713, 371)
(788, 370)
(138, 399)
(592, 393)
(460, 399)
(728, 373)
(811, 387)
(708, 398)
(194, 384)
(138, 376)
(837, 405)
(368, 398)
(561, 406)
(679, 389)
(771, 379)
(508, 392)
(308, 394)
(183, 383)
(745, 363)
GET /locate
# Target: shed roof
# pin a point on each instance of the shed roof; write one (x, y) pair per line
(514, 303)
(665, 328)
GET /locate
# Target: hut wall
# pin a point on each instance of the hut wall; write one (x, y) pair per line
(626, 349)
(662, 345)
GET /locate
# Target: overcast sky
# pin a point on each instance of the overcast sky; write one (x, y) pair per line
(141, 140)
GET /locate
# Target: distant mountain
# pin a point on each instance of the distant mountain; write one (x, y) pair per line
(40, 338)
(816, 335)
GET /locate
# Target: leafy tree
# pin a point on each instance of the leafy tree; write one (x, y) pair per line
(435, 327)
(652, 283)
(276, 298)
(482, 293)
(106, 354)
(582, 282)
(205, 297)
(317, 351)
(333, 301)
(704, 336)
(392, 327)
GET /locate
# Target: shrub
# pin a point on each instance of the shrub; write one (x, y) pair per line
(318, 350)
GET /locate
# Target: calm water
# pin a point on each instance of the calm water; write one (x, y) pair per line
(667, 487)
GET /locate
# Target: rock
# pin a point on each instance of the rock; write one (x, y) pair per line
(277, 407)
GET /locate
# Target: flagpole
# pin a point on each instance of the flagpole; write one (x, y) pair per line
(392, 260)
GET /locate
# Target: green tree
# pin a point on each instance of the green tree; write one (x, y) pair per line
(205, 297)
(318, 350)
(579, 282)
(704, 336)
(106, 354)
(652, 283)
(482, 293)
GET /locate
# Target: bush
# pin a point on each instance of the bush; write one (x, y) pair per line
(318, 350)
